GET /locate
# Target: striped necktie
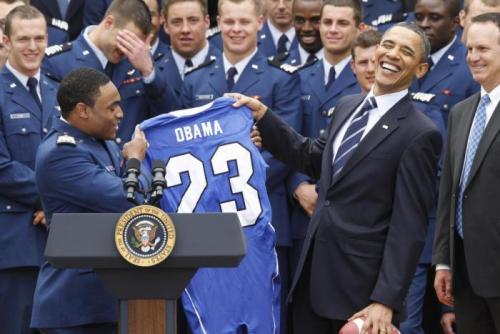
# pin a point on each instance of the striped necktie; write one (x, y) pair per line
(352, 136)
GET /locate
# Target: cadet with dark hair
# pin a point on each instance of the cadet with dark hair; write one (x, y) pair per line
(78, 169)
(362, 62)
(123, 33)
(27, 106)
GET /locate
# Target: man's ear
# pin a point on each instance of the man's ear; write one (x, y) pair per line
(422, 69)
(461, 17)
(81, 110)
(109, 21)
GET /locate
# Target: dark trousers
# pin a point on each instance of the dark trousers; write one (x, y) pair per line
(104, 328)
(283, 254)
(17, 286)
(475, 314)
(304, 319)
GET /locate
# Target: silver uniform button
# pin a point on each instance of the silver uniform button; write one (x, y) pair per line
(45, 130)
(118, 140)
(138, 91)
(23, 130)
(8, 207)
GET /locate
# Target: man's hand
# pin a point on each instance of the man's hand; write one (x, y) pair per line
(136, 148)
(448, 320)
(377, 318)
(137, 51)
(442, 285)
(307, 196)
(39, 218)
(256, 138)
(258, 108)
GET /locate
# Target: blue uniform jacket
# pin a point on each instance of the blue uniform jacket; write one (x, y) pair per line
(317, 108)
(137, 99)
(266, 43)
(449, 82)
(373, 9)
(84, 177)
(165, 62)
(22, 128)
(278, 90)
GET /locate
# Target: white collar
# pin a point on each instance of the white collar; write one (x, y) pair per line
(436, 56)
(241, 65)
(23, 78)
(387, 101)
(276, 34)
(197, 59)
(494, 95)
(155, 45)
(304, 54)
(339, 67)
(98, 53)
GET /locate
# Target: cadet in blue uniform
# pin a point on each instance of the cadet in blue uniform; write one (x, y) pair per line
(27, 106)
(278, 34)
(79, 170)
(122, 33)
(64, 22)
(242, 68)
(322, 85)
(186, 22)
(447, 82)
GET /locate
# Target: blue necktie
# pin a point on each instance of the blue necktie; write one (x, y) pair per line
(230, 78)
(282, 44)
(109, 70)
(63, 7)
(475, 135)
(352, 136)
(32, 83)
(331, 77)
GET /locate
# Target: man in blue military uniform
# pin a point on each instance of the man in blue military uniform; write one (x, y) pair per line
(278, 34)
(322, 85)
(242, 68)
(79, 170)
(447, 82)
(122, 33)
(306, 17)
(64, 18)
(186, 22)
(27, 106)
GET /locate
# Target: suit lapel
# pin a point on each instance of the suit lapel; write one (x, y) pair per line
(444, 68)
(344, 80)
(20, 95)
(381, 130)
(251, 74)
(317, 82)
(217, 77)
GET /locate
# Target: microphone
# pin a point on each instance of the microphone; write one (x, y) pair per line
(159, 182)
(131, 181)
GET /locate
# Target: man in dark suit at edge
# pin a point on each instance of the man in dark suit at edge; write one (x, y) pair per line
(376, 164)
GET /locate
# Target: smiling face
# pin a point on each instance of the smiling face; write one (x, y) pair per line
(306, 17)
(483, 45)
(338, 29)
(27, 43)
(398, 59)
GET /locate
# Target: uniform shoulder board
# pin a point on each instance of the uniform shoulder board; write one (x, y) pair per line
(209, 61)
(307, 64)
(58, 48)
(423, 97)
(61, 24)
(284, 67)
(389, 18)
(280, 57)
(52, 77)
(212, 32)
(65, 139)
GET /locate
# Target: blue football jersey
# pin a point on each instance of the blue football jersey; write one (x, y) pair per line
(212, 165)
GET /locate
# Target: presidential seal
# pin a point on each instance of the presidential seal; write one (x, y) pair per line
(145, 235)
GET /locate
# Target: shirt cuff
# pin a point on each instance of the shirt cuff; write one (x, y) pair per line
(442, 267)
(149, 79)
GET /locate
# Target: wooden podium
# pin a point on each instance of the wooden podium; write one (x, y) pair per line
(147, 295)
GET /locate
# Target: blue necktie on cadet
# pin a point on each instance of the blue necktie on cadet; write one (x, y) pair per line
(475, 135)
(32, 83)
(282, 44)
(352, 136)
(230, 78)
(331, 77)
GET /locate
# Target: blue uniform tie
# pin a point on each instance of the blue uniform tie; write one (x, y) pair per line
(230, 77)
(352, 136)
(282, 44)
(32, 83)
(475, 135)
(331, 77)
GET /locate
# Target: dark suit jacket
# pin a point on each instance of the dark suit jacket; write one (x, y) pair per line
(481, 212)
(370, 221)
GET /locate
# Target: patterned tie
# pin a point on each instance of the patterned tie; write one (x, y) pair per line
(352, 136)
(475, 135)
(282, 44)
(63, 7)
(32, 84)
(331, 78)
(231, 73)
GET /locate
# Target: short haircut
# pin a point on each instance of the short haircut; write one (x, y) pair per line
(425, 45)
(487, 17)
(80, 86)
(259, 8)
(23, 13)
(12, 1)
(135, 11)
(453, 7)
(489, 3)
(366, 39)
(354, 4)
(168, 3)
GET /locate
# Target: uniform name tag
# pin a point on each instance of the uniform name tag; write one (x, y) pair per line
(204, 97)
(20, 115)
